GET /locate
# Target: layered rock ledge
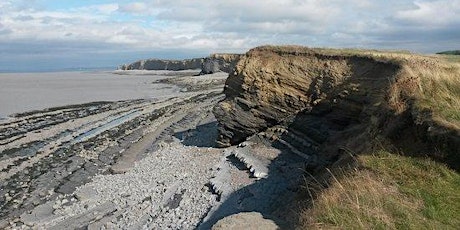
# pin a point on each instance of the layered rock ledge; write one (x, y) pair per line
(335, 100)
(212, 64)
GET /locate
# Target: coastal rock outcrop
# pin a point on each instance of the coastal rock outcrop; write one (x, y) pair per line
(326, 99)
(220, 62)
(271, 85)
(158, 64)
(212, 64)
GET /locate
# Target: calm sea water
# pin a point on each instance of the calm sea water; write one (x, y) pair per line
(21, 92)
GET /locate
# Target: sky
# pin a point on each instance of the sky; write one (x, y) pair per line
(40, 35)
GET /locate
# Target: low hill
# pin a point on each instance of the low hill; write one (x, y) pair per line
(451, 52)
(382, 130)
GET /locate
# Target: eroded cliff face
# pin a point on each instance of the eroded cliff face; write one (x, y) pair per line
(273, 85)
(329, 102)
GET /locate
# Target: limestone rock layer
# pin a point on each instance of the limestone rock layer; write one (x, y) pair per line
(274, 85)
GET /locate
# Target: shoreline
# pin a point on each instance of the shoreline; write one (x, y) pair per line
(137, 163)
(24, 92)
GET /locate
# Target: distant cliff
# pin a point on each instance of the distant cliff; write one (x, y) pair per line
(159, 64)
(450, 52)
(213, 63)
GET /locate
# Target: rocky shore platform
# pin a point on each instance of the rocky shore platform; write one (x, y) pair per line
(141, 164)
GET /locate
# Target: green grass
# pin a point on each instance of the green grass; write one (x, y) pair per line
(440, 91)
(450, 52)
(451, 58)
(422, 179)
(389, 191)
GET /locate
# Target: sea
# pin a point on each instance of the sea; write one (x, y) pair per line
(22, 92)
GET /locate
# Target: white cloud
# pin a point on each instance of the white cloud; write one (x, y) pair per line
(219, 25)
(242, 12)
(432, 14)
(103, 9)
(135, 7)
(364, 4)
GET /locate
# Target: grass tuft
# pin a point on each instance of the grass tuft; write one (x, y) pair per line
(388, 191)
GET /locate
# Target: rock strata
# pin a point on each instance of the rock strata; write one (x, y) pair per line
(272, 85)
(329, 102)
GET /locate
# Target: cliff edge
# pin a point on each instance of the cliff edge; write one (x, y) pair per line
(331, 101)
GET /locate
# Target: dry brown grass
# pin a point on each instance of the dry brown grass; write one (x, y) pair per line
(440, 91)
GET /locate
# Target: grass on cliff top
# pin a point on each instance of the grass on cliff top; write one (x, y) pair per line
(450, 58)
(439, 89)
(388, 191)
(438, 77)
(439, 80)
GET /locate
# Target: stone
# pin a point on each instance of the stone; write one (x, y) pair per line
(210, 66)
(219, 62)
(245, 220)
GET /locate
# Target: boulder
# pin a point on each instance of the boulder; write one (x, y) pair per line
(210, 66)
(245, 220)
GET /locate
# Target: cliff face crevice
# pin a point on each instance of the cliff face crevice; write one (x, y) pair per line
(336, 102)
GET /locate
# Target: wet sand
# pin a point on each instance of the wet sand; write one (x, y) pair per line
(21, 92)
